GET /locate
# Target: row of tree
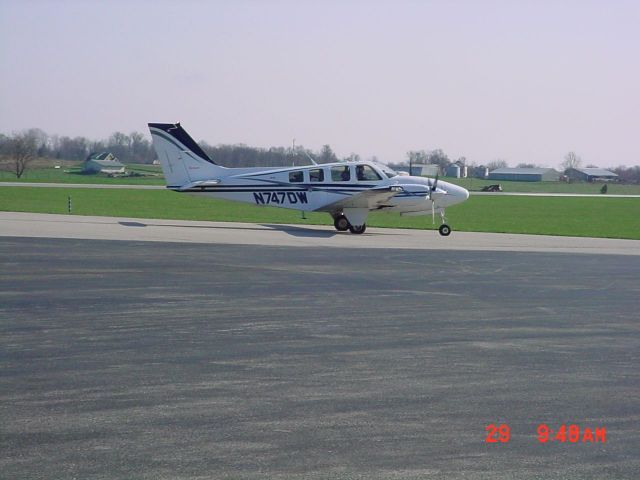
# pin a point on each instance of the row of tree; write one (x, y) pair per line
(132, 148)
(22, 147)
(245, 156)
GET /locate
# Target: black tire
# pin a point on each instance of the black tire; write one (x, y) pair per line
(445, 230)
(341, 223)
(358, 230)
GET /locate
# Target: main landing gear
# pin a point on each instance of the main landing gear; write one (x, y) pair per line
(342, 225)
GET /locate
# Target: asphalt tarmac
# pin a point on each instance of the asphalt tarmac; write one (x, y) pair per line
(20, 224)
(124, 359)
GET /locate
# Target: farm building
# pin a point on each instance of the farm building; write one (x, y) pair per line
(480, 172)
(590, 174)
(102, 163)
(453, 170)
(419, 169)
(525, 174)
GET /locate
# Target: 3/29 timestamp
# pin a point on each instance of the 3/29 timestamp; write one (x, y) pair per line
(564, 433)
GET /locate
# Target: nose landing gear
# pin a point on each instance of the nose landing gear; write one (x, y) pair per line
(444, 229)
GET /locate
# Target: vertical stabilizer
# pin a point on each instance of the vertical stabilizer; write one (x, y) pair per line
(182, 159)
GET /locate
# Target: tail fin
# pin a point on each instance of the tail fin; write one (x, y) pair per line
(182, 160)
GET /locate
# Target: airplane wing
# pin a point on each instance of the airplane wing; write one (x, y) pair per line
(369, 199)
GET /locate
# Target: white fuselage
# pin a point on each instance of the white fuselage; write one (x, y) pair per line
(317, 187)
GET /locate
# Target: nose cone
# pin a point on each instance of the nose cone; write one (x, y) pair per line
(463, 193)
(456, 194)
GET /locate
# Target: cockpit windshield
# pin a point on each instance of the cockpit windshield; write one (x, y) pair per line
(389, 172)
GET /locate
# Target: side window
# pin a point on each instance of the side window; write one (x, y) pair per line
(296, 176)
(316, 175)
(340, 173)
(365, 173)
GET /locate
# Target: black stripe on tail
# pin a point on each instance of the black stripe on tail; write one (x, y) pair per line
(180, 134)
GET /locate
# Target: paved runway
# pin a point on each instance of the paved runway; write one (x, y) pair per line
(111, 228)
(183, 360)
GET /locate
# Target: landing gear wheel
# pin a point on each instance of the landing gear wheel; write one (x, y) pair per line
(341, 223)
(444, 230)
(357, 230)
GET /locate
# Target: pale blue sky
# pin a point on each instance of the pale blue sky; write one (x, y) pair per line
(525, 81)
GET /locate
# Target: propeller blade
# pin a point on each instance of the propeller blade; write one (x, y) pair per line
(435, 184)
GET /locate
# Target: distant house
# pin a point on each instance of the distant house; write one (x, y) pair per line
(525, 174)
(590, 174)
(102, 163)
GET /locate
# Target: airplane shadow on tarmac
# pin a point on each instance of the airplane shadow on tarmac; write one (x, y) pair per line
(301, 231)
(288, 229)
(314, 232)
(291, 230)
(210, 227)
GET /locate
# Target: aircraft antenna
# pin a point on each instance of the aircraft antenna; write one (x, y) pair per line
(293, 153)
(310, 158)
(293, 150)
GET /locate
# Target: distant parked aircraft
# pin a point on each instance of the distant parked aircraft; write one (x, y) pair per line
(348, 191)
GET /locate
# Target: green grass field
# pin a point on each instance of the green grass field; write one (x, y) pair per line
(581, 216)
(152, 176)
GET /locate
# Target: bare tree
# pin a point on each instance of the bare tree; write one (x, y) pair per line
(416, 156)
(627, 175)
(22, 150)
(495, 164)
(326, 155)
(571, 160)
(438, 157)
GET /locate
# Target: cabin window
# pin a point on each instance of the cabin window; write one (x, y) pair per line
(364, 173)
(296, 176)
(316, 175)
(340, 173)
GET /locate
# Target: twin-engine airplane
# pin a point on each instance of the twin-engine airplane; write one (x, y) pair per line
(348, 191)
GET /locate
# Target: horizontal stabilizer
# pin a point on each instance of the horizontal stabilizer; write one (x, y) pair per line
(200, 184)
